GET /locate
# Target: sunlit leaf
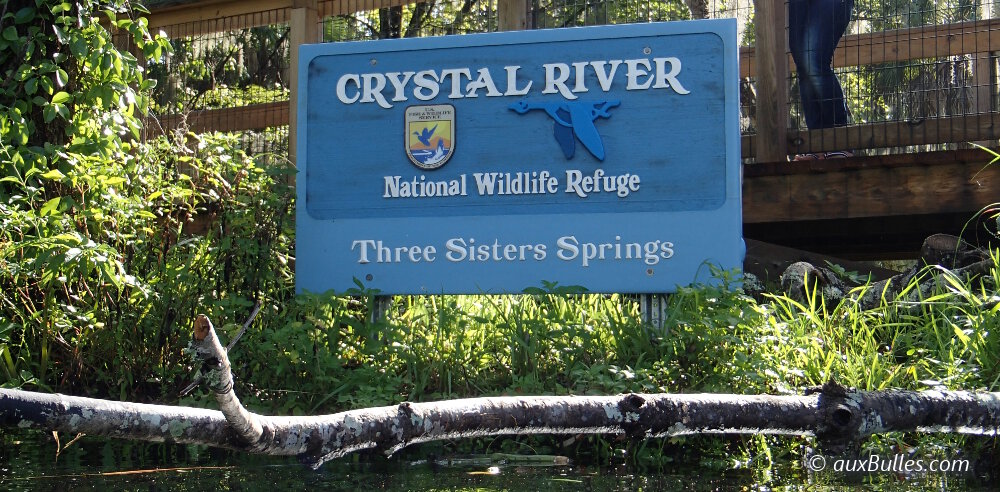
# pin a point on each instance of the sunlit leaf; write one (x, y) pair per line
(60, 34)
(60, 97)
(49, 207)
(62, 78)
(54, 174)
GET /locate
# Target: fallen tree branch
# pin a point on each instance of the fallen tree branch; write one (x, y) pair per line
(837, 416)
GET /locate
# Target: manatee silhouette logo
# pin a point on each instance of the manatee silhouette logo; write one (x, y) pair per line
(430, 135)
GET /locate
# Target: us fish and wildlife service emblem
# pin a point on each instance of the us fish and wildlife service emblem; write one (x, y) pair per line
(430, 135)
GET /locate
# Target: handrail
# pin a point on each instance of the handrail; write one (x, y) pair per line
(205, 17)
(914, 43)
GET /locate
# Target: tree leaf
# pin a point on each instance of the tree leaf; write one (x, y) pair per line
(62, 78)
(54, 174)
(60, 34)
(25, 15)
(78, 47)
(10, 34)
(60, 97)
(49, 207)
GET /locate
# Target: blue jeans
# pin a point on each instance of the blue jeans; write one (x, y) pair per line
(814, 29)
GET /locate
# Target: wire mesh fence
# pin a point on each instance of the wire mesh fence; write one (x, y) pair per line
(420, 19)
(917, 75)
(904, 64)
(227, 74)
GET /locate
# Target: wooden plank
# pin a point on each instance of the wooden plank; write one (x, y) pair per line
(255, 117)
(304, 28)
(951, 129)
(881, 186)
(207, 17)
(344, 7)
(772, 91)
(873, 238)
(217, 16)
(513, 15)
(937, 41)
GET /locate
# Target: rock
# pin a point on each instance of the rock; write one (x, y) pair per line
(801, 278)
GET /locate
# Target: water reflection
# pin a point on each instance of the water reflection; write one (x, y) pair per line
(28, 461)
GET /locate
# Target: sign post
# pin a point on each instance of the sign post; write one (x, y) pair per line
(604, 157)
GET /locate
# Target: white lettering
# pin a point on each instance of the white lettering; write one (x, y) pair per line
(456, 80)
(512, 89)
(483, 81)
(342, 88)
(584, 185)
(465, 82)
(399, 85)
(634, 72)
(664, 78)
(427, 85)
(373, 83)
(605, 77)
(557, 84)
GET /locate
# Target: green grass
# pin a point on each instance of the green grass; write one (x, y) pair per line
(715, 339)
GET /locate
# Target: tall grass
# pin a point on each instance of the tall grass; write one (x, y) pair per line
(715, 338)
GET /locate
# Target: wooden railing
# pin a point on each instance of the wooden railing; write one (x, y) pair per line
(767, 64)
(877, 206)
(773, 141)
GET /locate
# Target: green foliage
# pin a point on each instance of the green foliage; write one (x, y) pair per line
(69, 105)
(98, 268)
(110, 247)
(911, 89)
(238, 68)
(566, 13)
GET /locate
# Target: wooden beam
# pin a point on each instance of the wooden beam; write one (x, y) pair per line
(936, 41)
(862, 187)
(950, 129)
(255, 117)
(344, 7)
(772, 90)
(513, 15)
(916, 43)
(768, 261)
(303, 28)
(217, 16)
(211, 16)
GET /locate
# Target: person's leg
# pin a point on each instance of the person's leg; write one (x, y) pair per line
(798, 19)
(815, 28)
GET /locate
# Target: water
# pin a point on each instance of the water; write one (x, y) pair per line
(28, 461)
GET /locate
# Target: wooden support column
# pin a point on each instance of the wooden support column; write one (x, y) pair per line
(983, 74)
(772, 88)
(513, 15)
(303, 26)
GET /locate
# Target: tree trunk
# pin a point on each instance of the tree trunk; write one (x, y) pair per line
(390, 22)
(838, 417)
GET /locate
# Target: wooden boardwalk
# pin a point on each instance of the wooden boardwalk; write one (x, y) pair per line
(877, 207)
(868, 207)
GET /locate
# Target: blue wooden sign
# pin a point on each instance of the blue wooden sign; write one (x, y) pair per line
(603, 157)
